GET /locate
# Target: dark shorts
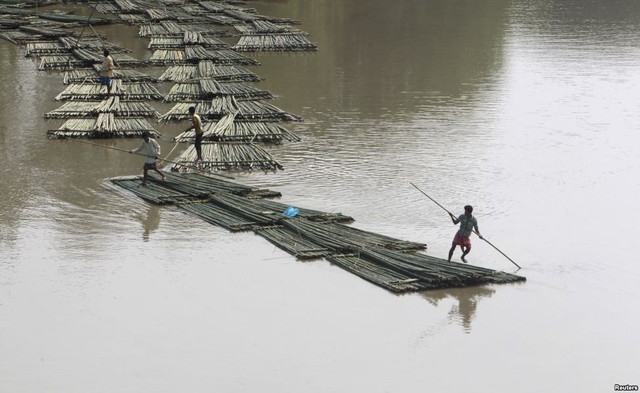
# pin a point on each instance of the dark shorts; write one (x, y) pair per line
(105, 80)
(198, 142)
(149, 166)
(462, 241)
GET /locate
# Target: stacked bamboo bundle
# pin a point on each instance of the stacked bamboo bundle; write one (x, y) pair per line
(221, 106)
(37, 48)
(222, 20)
(168, 56)
(83, 75)
(229, 56)
(131, 7)
(401, 272)
(207, 69)
(228, 156)
(95, 57)
(91, 43)
(265, 27)
(152, 30)
(274, 42)
(52, 31)
(157, 14)
(105, 125)
(58, 62)
(131, 91)
(134, 19)
(203, 89)
(242, 14)
(230, 130)
(19, 37)
(71, 109)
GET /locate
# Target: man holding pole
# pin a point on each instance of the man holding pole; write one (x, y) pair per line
(463, 237)
(151, 149)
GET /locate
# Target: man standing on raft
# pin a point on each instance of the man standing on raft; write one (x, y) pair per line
(463, 237)
(151, 149)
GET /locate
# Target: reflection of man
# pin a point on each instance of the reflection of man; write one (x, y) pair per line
(468, 298)
(151, 222)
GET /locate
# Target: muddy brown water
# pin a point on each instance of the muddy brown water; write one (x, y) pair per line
(527, 110)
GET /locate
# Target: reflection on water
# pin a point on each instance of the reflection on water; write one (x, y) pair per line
(527, 110)
(150, 221)
(465, 303)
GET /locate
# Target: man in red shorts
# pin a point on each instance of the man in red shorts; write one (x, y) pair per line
(463, 237)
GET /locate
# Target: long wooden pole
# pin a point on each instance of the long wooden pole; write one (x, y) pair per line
(163, 160)
(443, 208)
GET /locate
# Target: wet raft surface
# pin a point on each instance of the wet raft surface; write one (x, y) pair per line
(394, 264)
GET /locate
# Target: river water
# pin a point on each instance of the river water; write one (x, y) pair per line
(528, 110)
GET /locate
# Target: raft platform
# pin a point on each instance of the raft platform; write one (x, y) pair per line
(394, 264)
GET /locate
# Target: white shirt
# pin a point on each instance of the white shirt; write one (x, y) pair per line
(151, 149)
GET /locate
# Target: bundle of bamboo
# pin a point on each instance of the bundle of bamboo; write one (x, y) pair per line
(223, 105)
(203, 89)
(131, 91)
(230, 130)
(274, 42)
(58, 62)
(207, 69)
(106, 125)
(228, 156)
(90, 75)
(71, 109)
(37, 48)
(265, 27)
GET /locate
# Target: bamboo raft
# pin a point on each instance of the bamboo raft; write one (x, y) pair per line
(75, 109)
(189, 38)
(196, 53)
(274, 42)
(221, 106)
(394, 264)
(265, 27)
(92, 91)
(90, 75)
(171, 28)
(228, 156)
(206, 89)
(230, 130)
(105, 125)
(207, 69)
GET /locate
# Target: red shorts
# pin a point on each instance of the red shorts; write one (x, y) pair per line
(462, 241)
